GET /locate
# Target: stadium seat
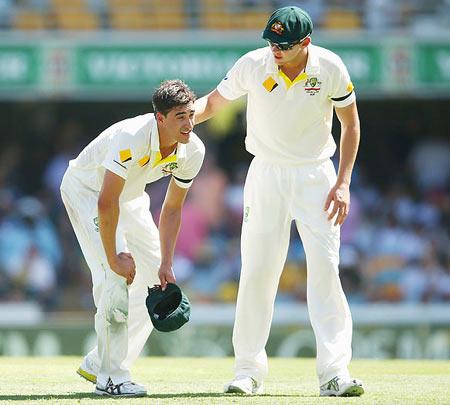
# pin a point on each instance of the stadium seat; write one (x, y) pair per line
(127, 19)
(29, 20)
(125, 4)
(252, 20)
(341, 19)
(164, 4)
(60, 5)
(139, 20)
(214, 20)
(161, 20)
(212, 5)
(214, 14)
(76, 20)
(165, 15)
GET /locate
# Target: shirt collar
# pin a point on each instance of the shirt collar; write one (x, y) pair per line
(312, 64)
(271, 66)
(154, 136)
(181, 151)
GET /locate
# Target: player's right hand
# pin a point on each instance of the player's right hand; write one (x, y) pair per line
(166, 275)
(124, 266)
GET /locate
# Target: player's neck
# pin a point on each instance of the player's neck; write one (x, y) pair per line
(166, 144)
(297, 65)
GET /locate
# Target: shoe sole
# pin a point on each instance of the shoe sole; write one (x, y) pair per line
(107, 394)
(233, 389)
(354, 391)
(87, 376)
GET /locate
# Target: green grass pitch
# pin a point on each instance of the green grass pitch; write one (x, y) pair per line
(172, 380)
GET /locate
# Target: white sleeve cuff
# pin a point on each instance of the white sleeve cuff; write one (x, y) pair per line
(345, 102)
(226, 92)
(182, 183)
(116, 168)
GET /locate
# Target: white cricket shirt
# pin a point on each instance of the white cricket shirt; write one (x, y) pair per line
(130, 149)
(289, 122)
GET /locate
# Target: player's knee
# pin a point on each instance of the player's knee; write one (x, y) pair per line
(118, 307)
(117, 315)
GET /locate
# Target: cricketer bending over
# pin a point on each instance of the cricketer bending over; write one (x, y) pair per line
(103, 191)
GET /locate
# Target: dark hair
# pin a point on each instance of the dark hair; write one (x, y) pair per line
(171, 94)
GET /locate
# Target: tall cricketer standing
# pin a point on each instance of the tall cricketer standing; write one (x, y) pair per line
(103, 191)
(292, 87)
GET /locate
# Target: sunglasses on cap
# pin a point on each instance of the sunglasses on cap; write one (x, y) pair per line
(286, 46)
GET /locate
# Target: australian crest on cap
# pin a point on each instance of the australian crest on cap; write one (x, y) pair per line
(277, 27)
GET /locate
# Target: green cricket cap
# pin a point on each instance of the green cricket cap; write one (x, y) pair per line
(170, 309)
(287, 25)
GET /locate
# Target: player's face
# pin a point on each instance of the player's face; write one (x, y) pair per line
(179, 123)
(283, 57)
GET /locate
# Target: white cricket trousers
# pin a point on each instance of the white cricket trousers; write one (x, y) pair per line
(122, 323)
(274, 195)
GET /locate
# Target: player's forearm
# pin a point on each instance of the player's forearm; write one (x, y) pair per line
(208, 106)
(203, 110)
(169, 227)
(108, 218)
(350, 136)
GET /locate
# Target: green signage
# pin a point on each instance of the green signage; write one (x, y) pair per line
(381, 341)
(202, 67)
(433, 64)
(18, 66)
(364, 63)
(133, 67)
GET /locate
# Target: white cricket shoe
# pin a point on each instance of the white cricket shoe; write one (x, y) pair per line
(243, 384)
(88, 370)
(340, 387)
(125, 389)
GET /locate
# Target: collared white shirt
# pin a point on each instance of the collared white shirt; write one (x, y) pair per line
(130, 149)
(289, 122)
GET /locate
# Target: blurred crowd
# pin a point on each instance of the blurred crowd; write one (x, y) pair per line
(395, 242)
(373, 15)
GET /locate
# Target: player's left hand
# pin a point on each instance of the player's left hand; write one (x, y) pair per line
(166, 275)
(339, 198)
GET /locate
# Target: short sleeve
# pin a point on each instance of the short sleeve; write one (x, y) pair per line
(121, 155)
(342, 92)
(233, 85)
(190, 169)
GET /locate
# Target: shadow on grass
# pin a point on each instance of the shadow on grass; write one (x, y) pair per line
(90, 395)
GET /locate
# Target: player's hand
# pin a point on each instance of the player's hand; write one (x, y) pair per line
(124, 266)
(166, 275)
(339, 200)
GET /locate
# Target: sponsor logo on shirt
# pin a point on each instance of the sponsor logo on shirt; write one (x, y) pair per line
(270, 84)
(125, 155)
(312, 86)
